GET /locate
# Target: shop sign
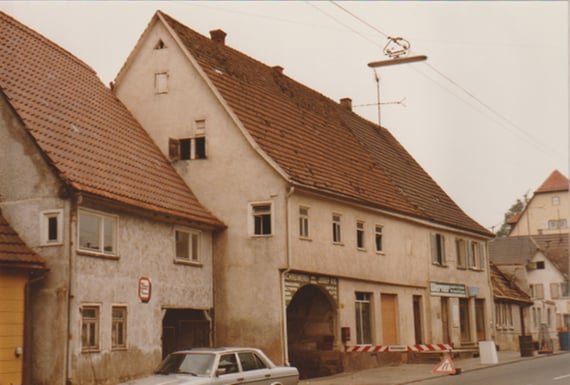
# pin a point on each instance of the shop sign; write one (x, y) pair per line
(145, 289)
(295, 281)
(448, 289)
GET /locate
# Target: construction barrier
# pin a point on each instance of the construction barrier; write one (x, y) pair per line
(399, 348)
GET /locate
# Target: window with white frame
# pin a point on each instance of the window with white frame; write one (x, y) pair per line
(119, 327)
(191, 147)
(51, 227)
(360, 235)
(461, 251)
(261, 218)
(161, 83)
(555, 200)
(90, 328)
(438, 249)
(187, 245)
(303, 222)
(378, 238)
(555, 224)
(336, 228)
(97, 232)
(504, 315)
(363, 314)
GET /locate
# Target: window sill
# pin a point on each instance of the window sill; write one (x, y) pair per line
(338, 243)
(361, 249)
(119, 349)
(94, 254)
(380, 252)
(439, 264)
(94, 350)
(49, 244)
(261, 235)
(305, 239)
(188, 263)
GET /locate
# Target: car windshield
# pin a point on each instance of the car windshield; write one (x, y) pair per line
(196, 364)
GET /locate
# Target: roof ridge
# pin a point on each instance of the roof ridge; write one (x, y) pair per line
(43, 38)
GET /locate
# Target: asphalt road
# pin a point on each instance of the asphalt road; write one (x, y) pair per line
(553, 370)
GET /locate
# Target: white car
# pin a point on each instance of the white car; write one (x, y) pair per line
(219, 366)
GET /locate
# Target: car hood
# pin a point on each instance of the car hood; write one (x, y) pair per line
(172, 379)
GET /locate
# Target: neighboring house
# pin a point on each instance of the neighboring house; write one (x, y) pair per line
(547, 211)
(336, 236)
(127, 244)
(539, 265)
(20, 269)
(511, 310)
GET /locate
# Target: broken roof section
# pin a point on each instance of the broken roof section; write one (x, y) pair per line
(506, 289)
(88, 136)
(14, 253)
(317, 143)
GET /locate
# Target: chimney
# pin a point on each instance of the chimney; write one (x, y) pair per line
(218, 36)
(346, 103)
(278, 69)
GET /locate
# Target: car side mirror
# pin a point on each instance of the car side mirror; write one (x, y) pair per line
(221, 371)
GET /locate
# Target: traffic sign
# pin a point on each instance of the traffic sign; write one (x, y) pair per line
(446, 366)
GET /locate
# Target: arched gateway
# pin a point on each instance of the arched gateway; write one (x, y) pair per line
(312, 330)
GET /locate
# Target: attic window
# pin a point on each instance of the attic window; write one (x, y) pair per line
(160, 45)
(161, 83)
(191, 147)
(540, 265)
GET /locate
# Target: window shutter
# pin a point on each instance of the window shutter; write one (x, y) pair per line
(555, 290)
(174, 149)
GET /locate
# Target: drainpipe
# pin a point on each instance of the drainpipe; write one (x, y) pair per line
(28, 334)
(283, 275)
(73, 210)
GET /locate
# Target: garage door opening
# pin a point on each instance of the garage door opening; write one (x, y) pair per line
(184, 329)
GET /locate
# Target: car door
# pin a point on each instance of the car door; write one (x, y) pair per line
(254, 369)
(231, 371)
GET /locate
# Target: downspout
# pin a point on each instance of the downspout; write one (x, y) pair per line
(284, 274)
(73, 210)
(29, 330)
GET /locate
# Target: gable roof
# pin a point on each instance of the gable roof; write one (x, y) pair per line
(555, 248)
(319, 144)
(506, 289)
(555, 182)
(520, 250)
(14, 252)
(88, 136)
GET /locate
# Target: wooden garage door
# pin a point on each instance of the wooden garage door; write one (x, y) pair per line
(389, 319)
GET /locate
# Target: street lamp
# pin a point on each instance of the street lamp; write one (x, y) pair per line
(397, 48)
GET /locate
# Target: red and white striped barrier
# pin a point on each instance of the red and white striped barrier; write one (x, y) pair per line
(399, 348)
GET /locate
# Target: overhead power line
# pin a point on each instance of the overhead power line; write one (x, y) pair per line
(504, 122)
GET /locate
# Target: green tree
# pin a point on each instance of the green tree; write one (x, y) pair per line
(515, 209)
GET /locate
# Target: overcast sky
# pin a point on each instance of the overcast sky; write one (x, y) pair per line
(486, 115)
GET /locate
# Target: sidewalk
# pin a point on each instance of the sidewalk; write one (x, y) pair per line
(410, 373)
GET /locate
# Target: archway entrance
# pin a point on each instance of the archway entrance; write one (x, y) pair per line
(311, 332)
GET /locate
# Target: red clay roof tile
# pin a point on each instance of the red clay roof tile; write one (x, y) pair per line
(319, 143)
(88, 135)
(555, 182)
(13, 250)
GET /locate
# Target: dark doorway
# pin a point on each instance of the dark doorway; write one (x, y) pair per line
(464, 320)
(418, 319)
(184, 329)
